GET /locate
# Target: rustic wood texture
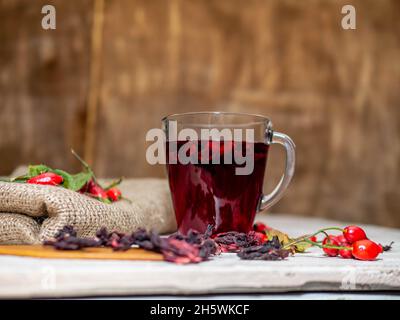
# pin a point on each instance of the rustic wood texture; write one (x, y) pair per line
(335, 92)
(43, 82)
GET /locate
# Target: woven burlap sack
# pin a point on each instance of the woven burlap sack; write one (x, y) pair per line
(18, 229)
(150, 208)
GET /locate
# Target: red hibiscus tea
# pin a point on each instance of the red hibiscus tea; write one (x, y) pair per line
(216, 177)
(214, 193)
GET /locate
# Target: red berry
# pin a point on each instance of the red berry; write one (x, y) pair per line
(260, 227)
(98, 192)
(260, 237)
(342, 240)
(48, 178)
(354, 233)
(114, 194)
(331, 240)
(346, 254)
(366, 250)
(313, 239)
(265, 238)
(87, 187)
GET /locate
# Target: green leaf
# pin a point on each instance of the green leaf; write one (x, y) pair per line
(35, 170)
(67, 178)
(113, 184)
(79, 180)
(302, 246)
(73, 182)
(284, 239)
(105, 200)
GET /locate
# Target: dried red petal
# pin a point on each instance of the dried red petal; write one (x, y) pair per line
(192, 248)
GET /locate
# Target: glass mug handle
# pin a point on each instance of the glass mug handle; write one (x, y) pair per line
(269, 200)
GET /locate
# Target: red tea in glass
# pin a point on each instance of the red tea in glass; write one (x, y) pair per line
(204, 194)
(212, 191)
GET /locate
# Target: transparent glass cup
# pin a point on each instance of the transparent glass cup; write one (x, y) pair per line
(215, 165)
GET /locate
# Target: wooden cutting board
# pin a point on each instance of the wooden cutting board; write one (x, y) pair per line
(48, 252)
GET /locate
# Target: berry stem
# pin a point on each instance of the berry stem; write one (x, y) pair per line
(83, 162)
(114, 184)
(326, 235)
(308, 236)
(85, 165)
(331, 228)
(327, 246)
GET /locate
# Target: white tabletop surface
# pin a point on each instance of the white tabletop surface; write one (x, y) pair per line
(303, 276)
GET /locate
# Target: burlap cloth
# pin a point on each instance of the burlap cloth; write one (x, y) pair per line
(31, 213)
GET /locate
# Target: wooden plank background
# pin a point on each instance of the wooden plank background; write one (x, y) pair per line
(113, 68)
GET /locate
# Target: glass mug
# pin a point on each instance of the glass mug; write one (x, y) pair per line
(210, 189)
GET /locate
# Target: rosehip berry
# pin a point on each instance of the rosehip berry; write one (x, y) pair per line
(342, 240)
(260, 227)
(114, 194)
(260, 237)
(313, 238)
(98, 192)
(346, 254)
(331, 240)
(366, 250)
(87, 187)
(48, 178)
(344, 243)
(265, 238)
(354, 233)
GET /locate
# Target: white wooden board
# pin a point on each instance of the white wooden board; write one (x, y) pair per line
(310, 272)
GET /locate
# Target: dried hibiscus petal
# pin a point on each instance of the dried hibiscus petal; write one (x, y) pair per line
(66, 231)
(66, 239)
(270, 250)
(175, 249)
(234, 241)
(191, 248)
